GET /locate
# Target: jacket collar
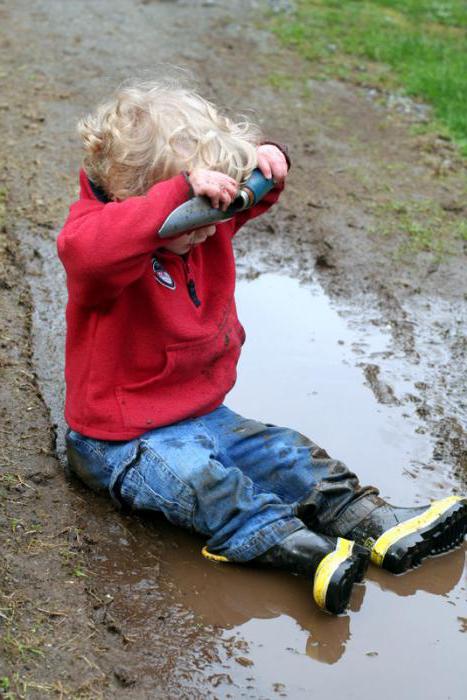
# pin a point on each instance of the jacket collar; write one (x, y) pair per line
(98, 192)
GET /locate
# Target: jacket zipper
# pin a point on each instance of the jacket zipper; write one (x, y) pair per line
(190, 282)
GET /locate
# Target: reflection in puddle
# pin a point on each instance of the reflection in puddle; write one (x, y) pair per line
(266, 628)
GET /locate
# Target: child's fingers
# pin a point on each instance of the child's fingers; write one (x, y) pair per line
(224, 198)
(227, 195)
(214, 195)
(272, 162)
(221, 195)
(230, 187)
(229, 181)
(264, 166)
(221, 180)
(279, 169)
(219, 188)
(202, 180)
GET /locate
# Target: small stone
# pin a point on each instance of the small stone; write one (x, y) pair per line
(40, 476)
(124, 676)
(243, 661)
(114, 627)
(323, 262)
(453, 205)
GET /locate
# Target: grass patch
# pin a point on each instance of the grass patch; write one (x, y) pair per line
(422, 225)
(462, 230)
(281, 81)
(419, 45)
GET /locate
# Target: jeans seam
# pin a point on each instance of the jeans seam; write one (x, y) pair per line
(162, 462)
(161, 498)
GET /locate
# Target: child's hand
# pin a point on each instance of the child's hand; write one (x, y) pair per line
(221, 189)
(272, 162)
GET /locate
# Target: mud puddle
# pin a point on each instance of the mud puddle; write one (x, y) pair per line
(229, 631)
(326, 373)
(259, 634)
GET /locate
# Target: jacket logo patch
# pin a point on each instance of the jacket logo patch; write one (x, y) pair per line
(161, 275)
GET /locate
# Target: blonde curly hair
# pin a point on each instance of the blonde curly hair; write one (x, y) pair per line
(150, 131)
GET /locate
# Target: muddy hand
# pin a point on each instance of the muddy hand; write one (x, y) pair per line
(221, 189)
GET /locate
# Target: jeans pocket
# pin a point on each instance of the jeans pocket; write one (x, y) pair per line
(149, 484)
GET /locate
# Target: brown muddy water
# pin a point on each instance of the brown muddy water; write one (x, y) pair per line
(321, 368)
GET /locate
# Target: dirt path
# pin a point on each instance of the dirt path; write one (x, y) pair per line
(95, 604)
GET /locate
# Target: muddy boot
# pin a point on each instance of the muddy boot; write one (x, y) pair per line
(333, 564)
(400, 538)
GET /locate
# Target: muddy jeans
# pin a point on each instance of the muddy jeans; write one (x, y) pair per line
(236, 481)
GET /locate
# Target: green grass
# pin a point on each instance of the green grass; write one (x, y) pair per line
(421, 225)
(462, 230)
(417, 45)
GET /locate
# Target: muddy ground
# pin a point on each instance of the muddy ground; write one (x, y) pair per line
(98, 604)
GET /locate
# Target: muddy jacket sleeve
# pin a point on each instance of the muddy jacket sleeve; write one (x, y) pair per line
(105, 247)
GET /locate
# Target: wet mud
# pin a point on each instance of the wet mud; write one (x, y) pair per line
(357, 346)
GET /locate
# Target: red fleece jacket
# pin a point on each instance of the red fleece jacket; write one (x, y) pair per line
(152, 337)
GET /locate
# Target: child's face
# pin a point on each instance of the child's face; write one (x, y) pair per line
(183, 244)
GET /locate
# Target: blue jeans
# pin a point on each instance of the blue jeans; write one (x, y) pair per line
(236, 481)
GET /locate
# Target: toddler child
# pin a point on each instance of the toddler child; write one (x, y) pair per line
(153, 341)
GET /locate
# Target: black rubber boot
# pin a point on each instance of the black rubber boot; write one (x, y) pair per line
(400, 538)
(334, 565)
